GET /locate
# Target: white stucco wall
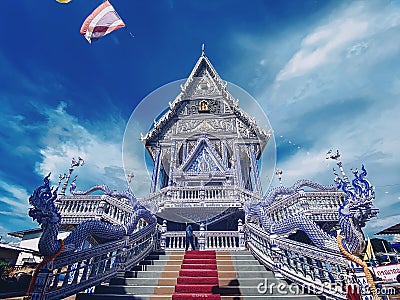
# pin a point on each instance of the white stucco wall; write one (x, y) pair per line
(31, 241)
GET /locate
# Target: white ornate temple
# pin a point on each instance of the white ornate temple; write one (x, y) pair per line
(207, 155)
(205, 150)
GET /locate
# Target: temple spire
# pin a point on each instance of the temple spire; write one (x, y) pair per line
(202, 50)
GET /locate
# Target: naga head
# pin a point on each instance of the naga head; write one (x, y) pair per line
(42, 200)
(359, 197)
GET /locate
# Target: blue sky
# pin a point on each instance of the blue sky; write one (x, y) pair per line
(327, 74)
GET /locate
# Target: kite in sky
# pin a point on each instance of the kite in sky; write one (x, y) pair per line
(103, 20)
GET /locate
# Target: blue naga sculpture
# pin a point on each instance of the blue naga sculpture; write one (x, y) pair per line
(356, 209)
(353, 212)
(45, 213)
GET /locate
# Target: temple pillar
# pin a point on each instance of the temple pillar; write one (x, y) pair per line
(275, 255)
(240, 229)
(201, 238)
(156, 171)
(238, 167)
(254, 170)
(225, 154)
(163, 238)
(172, 163)
(185, 150)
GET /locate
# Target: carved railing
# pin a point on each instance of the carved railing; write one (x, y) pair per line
(204, 240)
(74, 272)
(320, 206)
(319, 271)
(79, 208)
(226, 196)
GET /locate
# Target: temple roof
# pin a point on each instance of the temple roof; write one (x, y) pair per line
(21, 233)
(395, 229)
(204, 69)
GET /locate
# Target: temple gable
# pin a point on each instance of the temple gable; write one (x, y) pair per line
(202, 159)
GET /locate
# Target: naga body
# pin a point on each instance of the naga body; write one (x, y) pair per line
(46, 214)
(353, 212)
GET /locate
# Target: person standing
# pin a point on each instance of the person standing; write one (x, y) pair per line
(189, 237)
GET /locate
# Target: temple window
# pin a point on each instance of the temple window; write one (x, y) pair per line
(203, 106)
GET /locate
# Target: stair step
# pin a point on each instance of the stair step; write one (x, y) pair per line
(153, 274)
(151, 268)
(199, 261)
(246, 281)
(250, 268)
(198, 273)
(236, 257)
(252, 274)
(184, 296)
(196, 288)
(171, 262)
(195, 256)
(113, 296)
(144, 281)
(193, 275)
(199, 266)
(198, 280)
(135, 290)
(134, 281)
(269, 297)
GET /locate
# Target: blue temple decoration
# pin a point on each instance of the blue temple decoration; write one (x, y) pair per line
(203, 163)
(45, 213)
(207, 156)
(355, 210)
(297, 221)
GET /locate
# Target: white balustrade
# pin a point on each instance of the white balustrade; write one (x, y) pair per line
(76, 209)
(225, 196)
(321, 205)
(307, 265)
(204, 240)
(74, 272)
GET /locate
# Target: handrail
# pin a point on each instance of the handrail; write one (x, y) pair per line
(78, 208)
(74, 272)
(318, 205)
(205, 194)
(212, 240)
(204, 240)
(318, 270)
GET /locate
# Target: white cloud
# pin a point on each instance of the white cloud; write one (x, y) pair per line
(67, 138)
(306, 165)
(349, 28)
(338, 89)
(322, 46)
(15, 198)
(382, 223)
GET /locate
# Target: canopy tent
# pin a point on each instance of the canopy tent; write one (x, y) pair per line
(395, 229)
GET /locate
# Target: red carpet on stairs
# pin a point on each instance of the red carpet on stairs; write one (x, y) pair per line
(198, 277)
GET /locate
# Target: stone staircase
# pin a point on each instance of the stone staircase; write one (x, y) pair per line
(240, 276)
